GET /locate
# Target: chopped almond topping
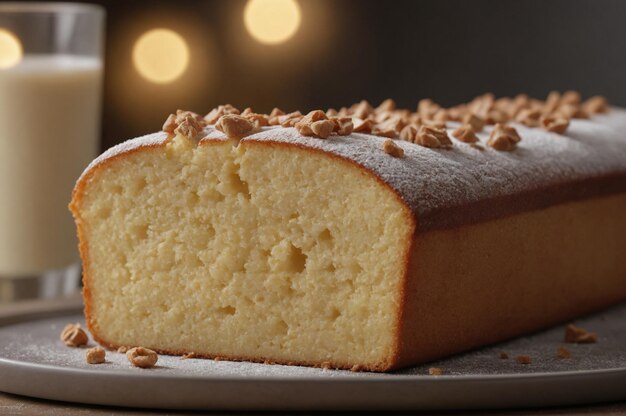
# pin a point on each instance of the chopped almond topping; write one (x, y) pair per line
(189, 127)
(290, 120)
(384, 116)
(276, 112)
(482, 105)
(571, 97)
(504, 355)
(123, 349)
(574, 334)
(474, 121)
(579, 113)
(235, 126)
(343, 125)
(182, 114)
(521, 101)
(432, 137)
(409, 133)
(501, 142)
(272, 119)
(386, 120)
(362, 110)
(95, 355)
(221, 110)
(326, 365)
(496, 116)
(503, 138)
(434, 124)
(414, 118)
(427, 140)
(390, 133)
(356, 368)
(427, 108)
(315, 124)
(456, 113)
(142, 357)
(555, 124)
(465, 134)
(552, 102)
(563, 353)
(344, 112)
(441, 116)
(571, 111)
(529, 118)
(259, 120)
(322, 128)
(175, 120)
(391, 148)
(506, 105)
(74, 336)
(362, 126)
(523, 359)
(387, 105)
(435, 371)
(393, 123)
(596, 104)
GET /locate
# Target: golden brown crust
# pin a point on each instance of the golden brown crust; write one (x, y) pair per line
(511, 276)
(519, 203)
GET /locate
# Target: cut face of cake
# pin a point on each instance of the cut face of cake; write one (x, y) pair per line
(247, 251)
(361, 239)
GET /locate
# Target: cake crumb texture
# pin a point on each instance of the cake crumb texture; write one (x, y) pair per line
(244, 251)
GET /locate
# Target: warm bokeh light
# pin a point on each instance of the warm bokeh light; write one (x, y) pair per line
(161, 55)
(272, 21)
(10, 49)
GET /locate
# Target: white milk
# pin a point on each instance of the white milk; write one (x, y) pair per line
(49, 129)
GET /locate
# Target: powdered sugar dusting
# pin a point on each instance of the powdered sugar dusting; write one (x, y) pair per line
(149, 140)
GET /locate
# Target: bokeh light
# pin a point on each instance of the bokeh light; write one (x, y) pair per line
(272, 21)
(161, 55)
(10, 49)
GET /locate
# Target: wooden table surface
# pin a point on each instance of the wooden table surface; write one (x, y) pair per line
(19, 405)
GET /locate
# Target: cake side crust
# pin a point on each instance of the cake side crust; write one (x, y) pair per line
(512, 276)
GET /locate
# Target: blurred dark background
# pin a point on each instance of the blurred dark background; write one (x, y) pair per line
(346, 50)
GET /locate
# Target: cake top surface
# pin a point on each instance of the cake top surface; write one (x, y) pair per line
(448, 186)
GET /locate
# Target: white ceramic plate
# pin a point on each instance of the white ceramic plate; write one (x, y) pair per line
(33, 362)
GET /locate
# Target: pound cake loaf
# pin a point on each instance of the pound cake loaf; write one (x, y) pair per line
(360, 238)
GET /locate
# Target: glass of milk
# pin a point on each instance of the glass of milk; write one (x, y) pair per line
(50, 98)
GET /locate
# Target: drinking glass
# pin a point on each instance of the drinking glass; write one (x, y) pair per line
(50, 98)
